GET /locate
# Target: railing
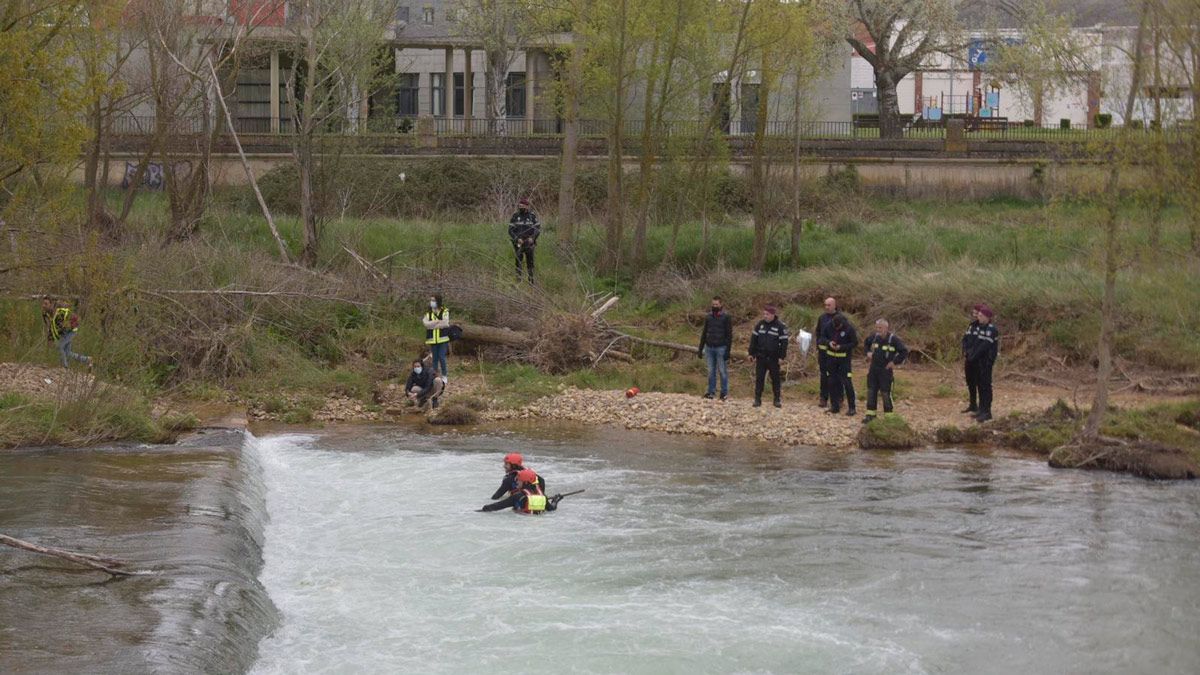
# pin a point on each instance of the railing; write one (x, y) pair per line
(865, 129)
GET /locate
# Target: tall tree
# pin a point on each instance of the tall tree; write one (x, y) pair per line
(897, 37)
(333, 56)
(504, 29)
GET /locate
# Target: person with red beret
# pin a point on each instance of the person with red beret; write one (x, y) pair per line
(981, 348)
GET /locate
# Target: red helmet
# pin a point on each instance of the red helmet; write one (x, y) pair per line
(527, 476)
(514, 458)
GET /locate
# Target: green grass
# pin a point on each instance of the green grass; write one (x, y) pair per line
(93, 419)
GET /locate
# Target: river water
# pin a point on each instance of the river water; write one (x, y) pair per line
(683, 556)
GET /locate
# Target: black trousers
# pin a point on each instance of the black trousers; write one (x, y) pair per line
(823, 366)
(983, 379)
(841, 383)
(972, 373)
(879, 382)
(762, 366)
(525, 252)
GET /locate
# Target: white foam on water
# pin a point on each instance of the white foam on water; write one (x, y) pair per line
(378, 563)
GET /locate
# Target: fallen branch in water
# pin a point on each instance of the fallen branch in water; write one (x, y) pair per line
(102, 563)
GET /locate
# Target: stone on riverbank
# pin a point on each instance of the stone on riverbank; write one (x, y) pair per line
(889, 432)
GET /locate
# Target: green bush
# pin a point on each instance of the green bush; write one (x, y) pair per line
(1103, 120)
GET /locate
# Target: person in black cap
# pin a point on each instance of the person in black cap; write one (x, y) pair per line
(768, 346)
(523, 230)
(980, 358)
(969, 339)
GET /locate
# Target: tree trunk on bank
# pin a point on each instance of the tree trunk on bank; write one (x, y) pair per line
(1112, 198)
(646, 169)
(760, 174)
(570, 147)
(890, 125)
(615, 223)
(305, 156)
(797, 216)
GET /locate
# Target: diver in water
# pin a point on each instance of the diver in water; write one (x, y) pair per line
(513, 462)
(526, 496)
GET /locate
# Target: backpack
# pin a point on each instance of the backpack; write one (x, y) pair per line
(454, 332)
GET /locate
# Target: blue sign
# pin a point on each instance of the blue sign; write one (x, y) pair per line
(977, 54)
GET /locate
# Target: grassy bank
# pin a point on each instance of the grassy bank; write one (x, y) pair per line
(919, 263)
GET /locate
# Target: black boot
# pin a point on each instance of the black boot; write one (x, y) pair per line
(778, 403)
(983, 416)
(823, 403)
(971, 408)
(758, 403)
(851, 412)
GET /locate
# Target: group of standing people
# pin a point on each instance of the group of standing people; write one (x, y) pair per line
(836, 339)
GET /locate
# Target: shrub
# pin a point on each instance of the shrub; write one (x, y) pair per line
(1103, 120)
(453, 414)
(889, 432)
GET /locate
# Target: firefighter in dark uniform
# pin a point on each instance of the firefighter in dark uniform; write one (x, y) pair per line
(968, 345)
(523, 230)
(768, 346)
(822, 332)
(981, 358)
(884, 351)
(842, 340)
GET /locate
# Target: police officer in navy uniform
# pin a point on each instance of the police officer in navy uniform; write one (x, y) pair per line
(768, 346)
(968, 345)
(981, 358)
(884, 351)
(842, 339)
(523, 230)
(822, 332)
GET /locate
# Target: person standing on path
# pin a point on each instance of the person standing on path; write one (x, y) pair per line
(883, 351)
(523, 230)
(716, 341)
(61, 325)
(437, 324)
(842, 340)
(970, 337)
(768, 345)
(822, 332)
(982, 358)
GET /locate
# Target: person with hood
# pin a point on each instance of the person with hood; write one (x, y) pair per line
(842, 339)
(716, 340)
(768, 346)
(523, 231)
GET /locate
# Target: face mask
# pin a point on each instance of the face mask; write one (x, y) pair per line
(433, 304)
(417, 370)
(716, 310)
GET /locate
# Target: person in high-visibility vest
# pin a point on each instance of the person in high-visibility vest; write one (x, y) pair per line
(61, 325)
(437, 324)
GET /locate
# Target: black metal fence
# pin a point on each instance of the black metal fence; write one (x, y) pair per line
(859, 128)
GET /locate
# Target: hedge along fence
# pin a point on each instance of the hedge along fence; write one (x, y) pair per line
(489, 188)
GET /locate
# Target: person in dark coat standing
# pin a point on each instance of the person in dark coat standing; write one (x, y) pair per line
(822, 333)
(970, 337)
(842, 340)
(716, 340)
(981, 358)
(768, 346)
(524, 231)
(884, 351)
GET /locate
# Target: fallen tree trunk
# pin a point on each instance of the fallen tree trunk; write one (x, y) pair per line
(665, 344)
(102, 563)
(496, 336)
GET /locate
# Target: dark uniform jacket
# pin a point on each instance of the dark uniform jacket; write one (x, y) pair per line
(824, 328)
(885, 349)
(969, 339)
(845, 338)
(509, 484)
(717, 332)
(985, 346)
(769, 340)
(523, 225)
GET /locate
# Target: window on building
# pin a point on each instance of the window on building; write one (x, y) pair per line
(402, 13)
(514, 95)
(749, 105)
(254, 100)
(459, 95)
(427, 16)
(437, 93)
(408, 95)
